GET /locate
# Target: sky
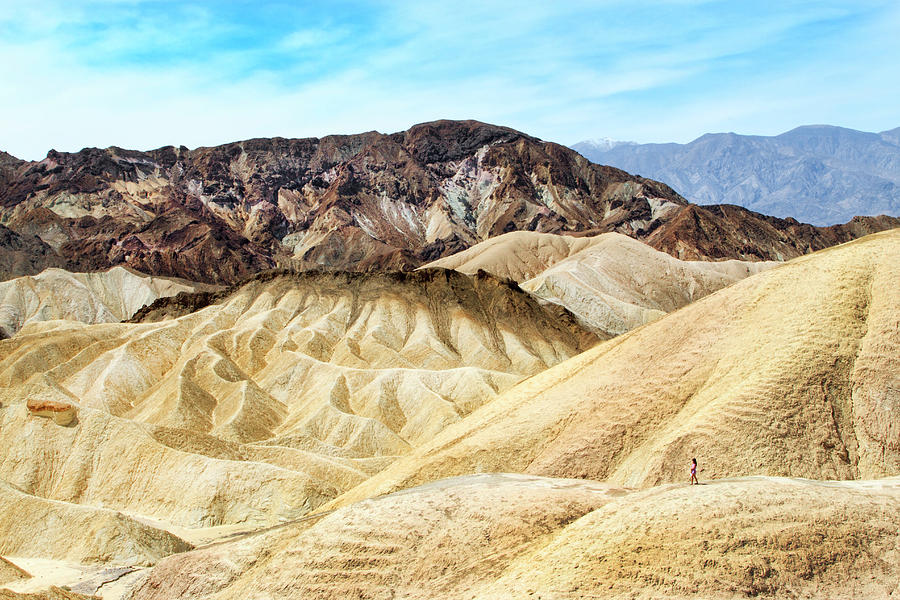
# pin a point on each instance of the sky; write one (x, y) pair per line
(143, 74)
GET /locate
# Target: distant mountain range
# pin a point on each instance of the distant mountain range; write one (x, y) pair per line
(817, 174)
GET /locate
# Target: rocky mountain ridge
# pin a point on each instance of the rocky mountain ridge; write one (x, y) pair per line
(361, 202)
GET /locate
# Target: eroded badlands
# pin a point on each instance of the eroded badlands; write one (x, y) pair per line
(436, 434)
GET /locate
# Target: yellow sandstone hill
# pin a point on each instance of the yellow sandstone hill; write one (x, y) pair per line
(793, 372)
(429, 541)
(410, 394)
(290, 390)
(103, 297)
(517, 255)
(764, 378)
(755, 537)
(611, 282)
(515, 536)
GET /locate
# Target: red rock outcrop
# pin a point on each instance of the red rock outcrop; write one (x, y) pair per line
(62, 413)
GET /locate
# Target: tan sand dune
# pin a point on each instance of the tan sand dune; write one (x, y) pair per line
(291, 390)
(793, 372)
(611, 282)
(102, 297)
(514, 536)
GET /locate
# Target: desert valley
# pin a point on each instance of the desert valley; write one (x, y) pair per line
(455, 361)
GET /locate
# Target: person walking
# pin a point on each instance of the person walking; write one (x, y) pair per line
(694, 479)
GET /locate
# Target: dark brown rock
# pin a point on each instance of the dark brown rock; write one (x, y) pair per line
(25, 254)
(728, 231)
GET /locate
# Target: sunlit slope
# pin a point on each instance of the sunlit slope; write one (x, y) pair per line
(515, 536)
(425, 542)
(517, 255)
(34, 526)
(611, 282)
(101, 297)
(289, 391)
(767, 537)
(792, 372)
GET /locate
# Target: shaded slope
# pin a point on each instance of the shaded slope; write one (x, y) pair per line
(290, 390)
(767, 376)
(25, 254)
(104, 297)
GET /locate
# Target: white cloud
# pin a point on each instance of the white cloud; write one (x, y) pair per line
(561, 72)
(312, 38)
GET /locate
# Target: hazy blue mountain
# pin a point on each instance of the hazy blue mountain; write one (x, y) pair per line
(817, 174)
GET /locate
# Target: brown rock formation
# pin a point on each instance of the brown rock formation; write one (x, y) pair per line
(359, 202)
(728, 231)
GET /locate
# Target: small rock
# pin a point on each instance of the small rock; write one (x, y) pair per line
(62, 413)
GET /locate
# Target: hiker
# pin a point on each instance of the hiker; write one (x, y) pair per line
(694, 472)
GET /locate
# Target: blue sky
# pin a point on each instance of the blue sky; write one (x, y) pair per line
(143, 74)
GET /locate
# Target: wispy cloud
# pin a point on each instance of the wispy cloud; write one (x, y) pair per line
(142, 73)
